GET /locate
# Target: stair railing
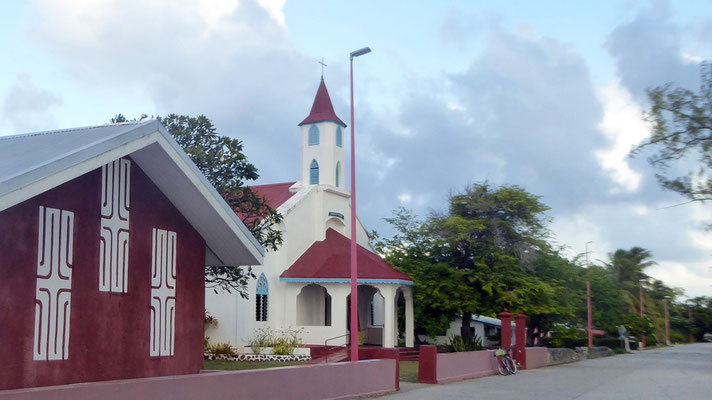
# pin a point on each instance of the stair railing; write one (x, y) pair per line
(327, 348)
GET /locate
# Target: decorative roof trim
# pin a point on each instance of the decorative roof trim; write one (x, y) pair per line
(342, 280)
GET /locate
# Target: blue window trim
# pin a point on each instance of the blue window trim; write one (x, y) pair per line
(345, 280)
(313, 135)
(339, 137)
(314, 173)
(262, 285)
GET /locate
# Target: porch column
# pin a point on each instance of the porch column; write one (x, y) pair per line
(389, 320)
(409, 331)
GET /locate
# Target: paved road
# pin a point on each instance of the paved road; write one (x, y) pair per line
(678, 372)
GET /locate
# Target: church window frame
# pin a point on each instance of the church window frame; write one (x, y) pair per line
(262, 299)
(314, 173)
(339, 137)
(313, 135)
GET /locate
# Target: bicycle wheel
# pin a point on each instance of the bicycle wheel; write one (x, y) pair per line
(502, 367)
(511, 365)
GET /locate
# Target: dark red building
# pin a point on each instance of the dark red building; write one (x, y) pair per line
(104, 236)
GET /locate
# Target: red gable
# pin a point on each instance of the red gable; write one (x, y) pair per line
(322, 109)
(330, 258)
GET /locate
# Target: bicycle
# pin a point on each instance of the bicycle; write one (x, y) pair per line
(505, 364)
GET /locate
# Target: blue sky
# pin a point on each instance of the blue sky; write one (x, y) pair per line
(546, 95)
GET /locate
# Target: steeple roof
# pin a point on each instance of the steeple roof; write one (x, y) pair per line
(322, 109)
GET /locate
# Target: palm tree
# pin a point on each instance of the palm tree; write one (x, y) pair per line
(626, 268)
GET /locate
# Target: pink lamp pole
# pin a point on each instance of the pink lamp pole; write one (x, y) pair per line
(354, 269)
(590, 320)
(642, 313)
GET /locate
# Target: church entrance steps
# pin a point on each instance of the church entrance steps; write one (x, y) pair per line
(328, 354)
(409, 353)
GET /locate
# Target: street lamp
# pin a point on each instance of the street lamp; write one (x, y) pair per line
(667, 320)
(587, 263)
(354, 274)
(642, 313)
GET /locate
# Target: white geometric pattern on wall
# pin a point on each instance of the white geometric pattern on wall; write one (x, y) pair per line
(114, 238)
(53, 295)
(163, 293)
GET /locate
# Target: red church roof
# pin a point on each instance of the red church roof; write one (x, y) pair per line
(330, 259)
(275, 193)
(322, 109)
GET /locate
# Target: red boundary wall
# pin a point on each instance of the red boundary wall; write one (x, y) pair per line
(382, 353)
(320, 381)
(450, 367)
(537, 357)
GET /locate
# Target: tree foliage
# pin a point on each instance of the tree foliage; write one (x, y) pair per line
(490, 251)
(681, 137)
(222, 161)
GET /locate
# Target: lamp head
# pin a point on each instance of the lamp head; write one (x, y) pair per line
(360, 52)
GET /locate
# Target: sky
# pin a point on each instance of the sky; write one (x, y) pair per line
(547, 95)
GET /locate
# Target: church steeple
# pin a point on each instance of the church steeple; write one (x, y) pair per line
(322, 109)
(322, 143)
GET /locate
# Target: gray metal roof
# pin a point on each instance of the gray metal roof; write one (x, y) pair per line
(33, 163)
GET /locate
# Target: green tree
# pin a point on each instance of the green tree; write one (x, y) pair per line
(476, 258)
(681, 137)
(222, 161)
(626, 267)
(491, 236)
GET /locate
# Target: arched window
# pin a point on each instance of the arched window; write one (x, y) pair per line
(339, 138)
(314, 173)
(338, 173)
(261, 298)
(313, 135)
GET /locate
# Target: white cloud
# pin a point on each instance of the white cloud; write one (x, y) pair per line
(405, 198)
(28, 108)
(624, 127)
(701, 240)
(689, 276)
(275, 9)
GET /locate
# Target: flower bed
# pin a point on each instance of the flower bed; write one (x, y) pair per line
(257, 357)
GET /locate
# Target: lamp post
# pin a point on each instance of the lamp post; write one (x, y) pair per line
(590, 320)
(588, 302)
(667, 320)
(354, 274)
(587, 263)
(642, 313)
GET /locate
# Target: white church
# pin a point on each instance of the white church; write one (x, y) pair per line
(305, 284)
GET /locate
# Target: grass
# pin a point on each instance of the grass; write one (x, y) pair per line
(409, 371)
(242, 365)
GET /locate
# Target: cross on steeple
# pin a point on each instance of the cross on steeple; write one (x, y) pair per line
(322, 67)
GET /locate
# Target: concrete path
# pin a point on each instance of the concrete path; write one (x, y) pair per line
(678, 372)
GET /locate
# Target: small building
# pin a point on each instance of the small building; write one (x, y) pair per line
(305, 284)
(481, 326)
(105, 233)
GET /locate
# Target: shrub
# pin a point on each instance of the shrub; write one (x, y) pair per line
(282, 344)
(459, 344)
(677, 337)
(222, 348)
(287, 342)
(609, 341)
(262, 337)
(206, 345)
(209, 319)
(564, 336)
